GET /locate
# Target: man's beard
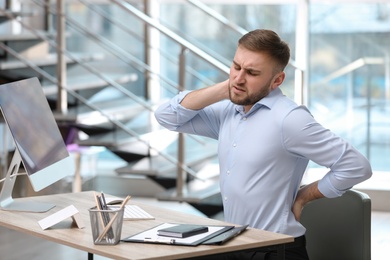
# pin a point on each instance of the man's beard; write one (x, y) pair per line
(250, 99)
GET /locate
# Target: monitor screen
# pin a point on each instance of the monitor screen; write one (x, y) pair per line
(35, 132)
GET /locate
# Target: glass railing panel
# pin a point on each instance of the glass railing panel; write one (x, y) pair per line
(350, 75)
(100, 29)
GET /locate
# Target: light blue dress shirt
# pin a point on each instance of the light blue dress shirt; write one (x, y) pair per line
(263, 155)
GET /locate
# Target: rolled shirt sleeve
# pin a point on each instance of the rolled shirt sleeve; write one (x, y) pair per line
(172, 115)
(305, 137)
(356, 169)
(175, 117)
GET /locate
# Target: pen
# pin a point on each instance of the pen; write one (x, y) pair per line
(158, 240)
(106, 216)
(108, 226)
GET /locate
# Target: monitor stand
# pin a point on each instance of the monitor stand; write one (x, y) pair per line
(6, 200)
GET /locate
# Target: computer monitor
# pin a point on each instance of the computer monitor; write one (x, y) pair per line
(39, 145)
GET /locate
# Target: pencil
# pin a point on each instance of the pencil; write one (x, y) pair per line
(98, 208)
(105, 230)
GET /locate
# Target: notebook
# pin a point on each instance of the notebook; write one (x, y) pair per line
(182, 230)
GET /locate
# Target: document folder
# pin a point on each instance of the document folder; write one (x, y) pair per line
(225, 236)
(151, 236)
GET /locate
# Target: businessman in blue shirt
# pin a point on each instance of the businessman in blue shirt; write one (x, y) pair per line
(265, 142)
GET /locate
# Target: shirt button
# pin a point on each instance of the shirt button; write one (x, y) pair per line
(244, 119)
(225, 198)
(228, 172)
(234, 145)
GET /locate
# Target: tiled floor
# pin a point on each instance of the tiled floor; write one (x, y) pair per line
(380, 235)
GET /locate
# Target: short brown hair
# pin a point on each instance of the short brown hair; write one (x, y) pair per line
(269, 42)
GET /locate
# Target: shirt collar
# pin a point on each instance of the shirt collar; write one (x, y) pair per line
(267, 101)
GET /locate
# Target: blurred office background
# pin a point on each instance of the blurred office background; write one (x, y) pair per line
(117, 60)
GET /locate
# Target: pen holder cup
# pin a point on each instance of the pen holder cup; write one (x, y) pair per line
(106, 226)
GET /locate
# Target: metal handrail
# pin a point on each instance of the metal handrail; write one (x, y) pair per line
(352, 66)
(220, 18)
(182, 42)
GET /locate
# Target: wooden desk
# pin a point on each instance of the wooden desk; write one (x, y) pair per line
(67, 234)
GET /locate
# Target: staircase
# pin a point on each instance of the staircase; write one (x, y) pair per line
(108, 102)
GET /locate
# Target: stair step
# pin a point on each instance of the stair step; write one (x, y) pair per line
(158, 165)
(4, 17)
(138, 149)
(23, 36)
(49, 60)
(83, 83)
(119, 109)
(195, 192)
(120, 138)
(92, 129)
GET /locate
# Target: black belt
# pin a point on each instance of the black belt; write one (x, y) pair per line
(298, 242)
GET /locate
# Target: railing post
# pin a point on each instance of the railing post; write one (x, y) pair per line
(299, 86)
(147, 49)
(302, 52)
(369, 107)
(46, 10)
(181, 174)
(387, 75)
(62, 99)
(4, 156)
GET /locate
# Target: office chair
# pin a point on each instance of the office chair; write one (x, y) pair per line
(339, 228)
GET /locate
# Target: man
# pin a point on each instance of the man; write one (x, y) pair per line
(265, 142)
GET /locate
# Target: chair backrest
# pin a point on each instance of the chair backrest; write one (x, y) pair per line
(339, 228)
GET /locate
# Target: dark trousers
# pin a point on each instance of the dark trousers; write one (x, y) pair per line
(294, 251)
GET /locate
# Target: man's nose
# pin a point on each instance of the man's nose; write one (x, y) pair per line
(240, 78)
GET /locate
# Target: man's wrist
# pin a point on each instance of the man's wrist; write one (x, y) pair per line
(308, 193)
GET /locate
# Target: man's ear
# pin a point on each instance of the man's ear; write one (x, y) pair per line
(278, 79)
